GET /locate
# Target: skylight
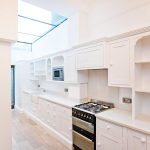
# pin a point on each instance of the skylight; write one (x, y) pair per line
(35, 22)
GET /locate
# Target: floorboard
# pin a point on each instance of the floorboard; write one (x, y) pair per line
(27, 135)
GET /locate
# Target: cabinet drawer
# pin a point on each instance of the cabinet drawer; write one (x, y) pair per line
(65, 111)
(110, 128)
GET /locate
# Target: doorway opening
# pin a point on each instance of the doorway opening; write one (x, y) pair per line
(12, 86)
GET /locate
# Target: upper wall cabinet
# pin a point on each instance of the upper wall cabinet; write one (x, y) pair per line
(119, 72)
(71, 74)
(40, 67)
(91, 57)
(58, 61)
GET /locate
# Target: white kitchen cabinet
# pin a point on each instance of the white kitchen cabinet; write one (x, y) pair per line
(27, 102)
(92, 57)
(71, 73)
(65, 117)
(40, 67)
(119, 72)
(136, 140)
(34, 105)
(70, 68)
(148, 143)
(57, 117)
(108, 136)
(106, 142)
(43, 110)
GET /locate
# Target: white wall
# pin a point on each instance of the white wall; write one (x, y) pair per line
(54, 41)
(111, 17)
(18, 55)
(5, 105)
(9, 19)
(8, 32)
(98, 89)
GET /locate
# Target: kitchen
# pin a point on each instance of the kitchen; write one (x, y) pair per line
(85, 82)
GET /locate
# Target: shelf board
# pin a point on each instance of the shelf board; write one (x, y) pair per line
(142, 62)
(142, 90)
(40, 74)
(63, 82)
(32, 79)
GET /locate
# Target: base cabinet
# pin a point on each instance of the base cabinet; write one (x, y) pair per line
(137, 141)
(110, 136)
(55, 116)
(148, 142)
(106, 142)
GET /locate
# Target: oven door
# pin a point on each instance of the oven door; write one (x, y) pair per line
(82, 142)
(83, 124)
(83, 134)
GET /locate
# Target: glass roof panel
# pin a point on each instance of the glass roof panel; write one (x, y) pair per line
(37, 13)
(35, 22)
(26, 38)
(32, 27)
(22, 46)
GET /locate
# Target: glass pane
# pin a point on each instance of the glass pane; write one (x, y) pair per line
(32, 27)
(12, 87)
(37, 13)
(34, 12)
(57, 19)
(22, 46)
(26, 38)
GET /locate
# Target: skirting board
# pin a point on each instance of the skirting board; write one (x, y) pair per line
(57, 135)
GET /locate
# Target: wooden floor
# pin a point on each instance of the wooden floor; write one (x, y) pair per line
(27, 135)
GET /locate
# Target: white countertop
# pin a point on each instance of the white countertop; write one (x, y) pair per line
(55, 98)
(124, 118)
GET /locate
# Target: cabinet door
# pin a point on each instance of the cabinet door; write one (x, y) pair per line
(70, 68)
(148, 142)
(108, 136)
(43, 110)
(119, 67)
(136, 141)
(106, 142)
(66, 123)
(91, 59)
(27, 102)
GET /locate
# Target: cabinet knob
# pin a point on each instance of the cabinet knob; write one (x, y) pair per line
(108, 127)
(143, 140)
(70, 129)
(111, 65)
(99, 144)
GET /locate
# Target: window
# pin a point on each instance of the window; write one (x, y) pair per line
(35, 22)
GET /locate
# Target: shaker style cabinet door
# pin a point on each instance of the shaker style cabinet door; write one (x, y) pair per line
(119, 64)
(108, 136)
(148, 142)
(106, 142)
(136, 141)
(70, 68)
(93, 58)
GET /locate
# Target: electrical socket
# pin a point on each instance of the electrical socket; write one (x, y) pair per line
(65, 89)
(126, 100)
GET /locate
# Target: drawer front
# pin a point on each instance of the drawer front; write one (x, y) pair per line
(82, 142)
(109, 128)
